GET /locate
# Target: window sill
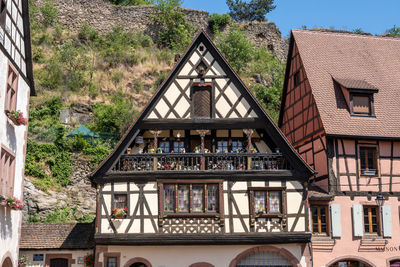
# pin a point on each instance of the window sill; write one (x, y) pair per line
(192, 215)
(268, 216)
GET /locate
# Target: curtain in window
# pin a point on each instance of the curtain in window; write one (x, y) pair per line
(183, 198)
(259, 202)
(169, 198)
(212, 196)
(274, 202)
(198, 198)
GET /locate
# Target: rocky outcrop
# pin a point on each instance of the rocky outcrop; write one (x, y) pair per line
(79, 193)
(103, 16)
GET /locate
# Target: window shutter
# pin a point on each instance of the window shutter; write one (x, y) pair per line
(357, 220)
(309, 220)
(336, 220)
(202, 102)
(387, 221)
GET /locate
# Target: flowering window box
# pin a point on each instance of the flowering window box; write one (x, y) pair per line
(14, 203)
(118, 213)
(17, 117)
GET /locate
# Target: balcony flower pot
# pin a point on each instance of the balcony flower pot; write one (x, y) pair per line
(17, 117)
(14, 203)
(119, 213)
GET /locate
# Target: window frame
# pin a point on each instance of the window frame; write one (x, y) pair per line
(9, 190)
(370, 95)
(113, 206)
(283, 206)
(327, 214)
(10, 104)
(370, 225)
(191, 214)
(376, 159)
(296, 79)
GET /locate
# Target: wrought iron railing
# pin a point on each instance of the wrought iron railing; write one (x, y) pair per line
(200, 161)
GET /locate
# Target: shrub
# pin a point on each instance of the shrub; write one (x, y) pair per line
(236, 48)
(217, 21)
(132, 2)
(175, 32)
(49, 13)
(117, 77)
(116, 117)
(51, 75)
(87, 33)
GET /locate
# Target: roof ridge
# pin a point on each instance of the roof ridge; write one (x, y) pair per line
(349, 34)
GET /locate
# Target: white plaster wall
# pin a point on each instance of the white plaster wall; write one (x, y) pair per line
(75, 255)
(166, 256)
(12, 137)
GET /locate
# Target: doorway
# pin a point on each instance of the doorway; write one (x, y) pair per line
(139, 264)
(59, 262)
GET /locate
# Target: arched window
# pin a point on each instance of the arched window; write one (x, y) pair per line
(264, 259)
(395, 263)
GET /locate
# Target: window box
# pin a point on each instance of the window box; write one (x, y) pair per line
(17, 117)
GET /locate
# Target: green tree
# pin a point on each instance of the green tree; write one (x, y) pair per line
(236, 47)
(394, 31)
(250, 11)
(49, 13)
(174, 31)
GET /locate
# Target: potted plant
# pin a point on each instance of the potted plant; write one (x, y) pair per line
(17, 117)
(14, 203)
(89, 260)
(119, 213)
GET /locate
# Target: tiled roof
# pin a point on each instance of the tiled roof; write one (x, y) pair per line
(355, 84)
(316, 192)
(356, 60)
(57, 236)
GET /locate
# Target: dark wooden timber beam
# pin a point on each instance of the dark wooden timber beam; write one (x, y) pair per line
(202, 239)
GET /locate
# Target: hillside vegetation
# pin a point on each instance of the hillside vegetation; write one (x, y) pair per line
(113, 76)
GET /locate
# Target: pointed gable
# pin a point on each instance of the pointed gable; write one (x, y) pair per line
(226, 98)
(201, 77)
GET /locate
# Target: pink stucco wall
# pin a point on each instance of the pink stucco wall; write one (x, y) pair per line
(348, 246)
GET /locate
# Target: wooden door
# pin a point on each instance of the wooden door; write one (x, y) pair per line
(59, 262)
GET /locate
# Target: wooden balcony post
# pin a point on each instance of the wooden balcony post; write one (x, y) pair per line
(203, 149)
(249, 133)
(155, 146)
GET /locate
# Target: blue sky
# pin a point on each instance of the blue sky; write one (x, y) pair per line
(371, 16)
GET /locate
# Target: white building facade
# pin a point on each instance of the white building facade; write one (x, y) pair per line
(16, 86)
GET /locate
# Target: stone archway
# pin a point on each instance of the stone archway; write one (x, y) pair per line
(201, 264)
(137, 261)
(281, 251)
(351, 258)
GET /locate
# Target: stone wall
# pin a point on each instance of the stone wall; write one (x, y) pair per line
(103, 16)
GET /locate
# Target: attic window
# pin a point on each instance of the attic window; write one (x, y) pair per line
(296, 79)
(201, 48)
(201, 100)
(361, 104)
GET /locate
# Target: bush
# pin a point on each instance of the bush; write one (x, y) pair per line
(236, 48)
(116, 117)
(217, 21)
(175, 32)
(87, 33)
(49, 13)
(132, 2)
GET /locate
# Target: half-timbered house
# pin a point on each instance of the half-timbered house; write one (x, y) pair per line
(16, 87)
(340, 110)
(203, 177)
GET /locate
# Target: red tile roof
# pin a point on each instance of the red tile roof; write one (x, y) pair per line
(57, 236)
(358, 60)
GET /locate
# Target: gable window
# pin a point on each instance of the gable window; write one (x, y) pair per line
(319, 219)
(111, 262)
(7, 170)
(190, 198)
(266, 201)
(371, 220)
(11, 90)
(361, 104)
(296, 79)
(201, 100)
(368, 160)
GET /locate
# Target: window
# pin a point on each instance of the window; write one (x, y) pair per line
(296, 79)
(237, 146)
(11, 90)
(266, 201)
(319, 219)
(371, 220)
(368, 160)
(185, 198)
(164, 147)
(201, 100)
(7, 167)
(179, 146)
(120, 201)
(361, 104)
(222, 146)
(111, 262)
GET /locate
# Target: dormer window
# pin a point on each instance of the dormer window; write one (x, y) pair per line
(361, 104)
(359, 96)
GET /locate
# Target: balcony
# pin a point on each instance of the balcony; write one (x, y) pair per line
(193, 162)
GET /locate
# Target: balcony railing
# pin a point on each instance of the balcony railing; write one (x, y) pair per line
(200, 162)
